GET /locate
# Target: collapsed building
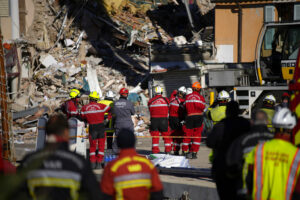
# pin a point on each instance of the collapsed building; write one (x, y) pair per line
(89, 45)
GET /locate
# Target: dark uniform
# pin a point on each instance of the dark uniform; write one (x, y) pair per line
(56, 173)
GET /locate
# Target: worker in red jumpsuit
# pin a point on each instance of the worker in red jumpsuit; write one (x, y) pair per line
(159, 111)
(194, 106)
(93, 114)
(130, 176)
(70, 107)
(176, 115)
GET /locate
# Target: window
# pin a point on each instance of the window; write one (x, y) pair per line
(297, 12)
(4, 8)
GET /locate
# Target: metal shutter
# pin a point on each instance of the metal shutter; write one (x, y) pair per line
(4, 8)
(172, 80)
(269, 13)
(297, 12)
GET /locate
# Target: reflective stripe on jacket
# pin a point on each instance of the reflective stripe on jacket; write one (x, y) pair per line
(93, 112)
(176, 108)
(130, 176)
(194, 103)
(70, 108)
(158, 106)
(276, 169)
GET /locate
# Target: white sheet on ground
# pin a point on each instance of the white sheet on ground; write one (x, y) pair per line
(168, 161)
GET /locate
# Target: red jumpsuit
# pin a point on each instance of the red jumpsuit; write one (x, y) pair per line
(130, 177)
(194, 106)
(159, 111)
(70, 108)
(93, 113)
(176, 115)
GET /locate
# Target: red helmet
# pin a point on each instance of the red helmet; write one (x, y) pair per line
(285, 94)
(124, 91)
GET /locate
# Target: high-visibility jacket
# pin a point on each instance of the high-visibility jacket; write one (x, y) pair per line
(218, 113)
(158, 107)
(276, 169)
(109, 103)
(130, 176)
(93, 112)
(270, 112)
(194, 104)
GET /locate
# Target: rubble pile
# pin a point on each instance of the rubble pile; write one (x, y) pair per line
(74, 45)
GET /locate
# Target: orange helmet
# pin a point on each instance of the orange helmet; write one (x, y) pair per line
(196, 85)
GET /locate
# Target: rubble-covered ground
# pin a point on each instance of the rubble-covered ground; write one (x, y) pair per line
(95, 45)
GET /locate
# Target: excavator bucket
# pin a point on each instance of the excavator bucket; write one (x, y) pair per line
(294, 87)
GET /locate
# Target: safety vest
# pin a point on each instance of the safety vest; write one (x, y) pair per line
(276, 169)
(218, 113)
(270, 113)
(110, 125)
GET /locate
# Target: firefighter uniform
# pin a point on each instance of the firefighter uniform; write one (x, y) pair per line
(93, 113)
(109, 130)
(159, 111)
(130, 176)
(70, 108)
(276, 169)
(194, 106)
(57, 173)
(176, 115)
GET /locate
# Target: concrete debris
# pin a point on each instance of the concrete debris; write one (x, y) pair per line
(82, 49)
(48, 60)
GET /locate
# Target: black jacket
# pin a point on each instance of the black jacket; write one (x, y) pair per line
(56, 173)
(245, 143)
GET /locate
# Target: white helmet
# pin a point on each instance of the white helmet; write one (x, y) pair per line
(284, 118)
(158, 90)
(270, 98)
(182, 89)
(223, 95)
(189, 91)
(109, 94)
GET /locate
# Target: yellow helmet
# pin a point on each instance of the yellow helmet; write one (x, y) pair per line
(74, 93)
(94, 95)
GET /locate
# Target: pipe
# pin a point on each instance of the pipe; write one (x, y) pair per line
(240, 28)
(15, 22)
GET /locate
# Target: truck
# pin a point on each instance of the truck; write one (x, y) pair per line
(276, 51)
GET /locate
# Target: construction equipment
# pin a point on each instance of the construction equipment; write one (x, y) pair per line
(269, 73)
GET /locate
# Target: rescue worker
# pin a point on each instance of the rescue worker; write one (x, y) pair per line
(285, 101)
(130, 176)
(176, 115)
(189, 91)
(159, 111)
(109, 101)
(93, 114)
(273, 166)
(243, 145)
(56, 173)
(269, 108)
(194, 106)
(123, 109)
(71, 107)
(217, 113)
(220, 140)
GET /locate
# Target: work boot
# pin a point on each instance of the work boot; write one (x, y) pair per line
(99, 165)
(189, 155)
(93, 165)
(194, 155)
(168, 153)
(184, 153)
(176, 153)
